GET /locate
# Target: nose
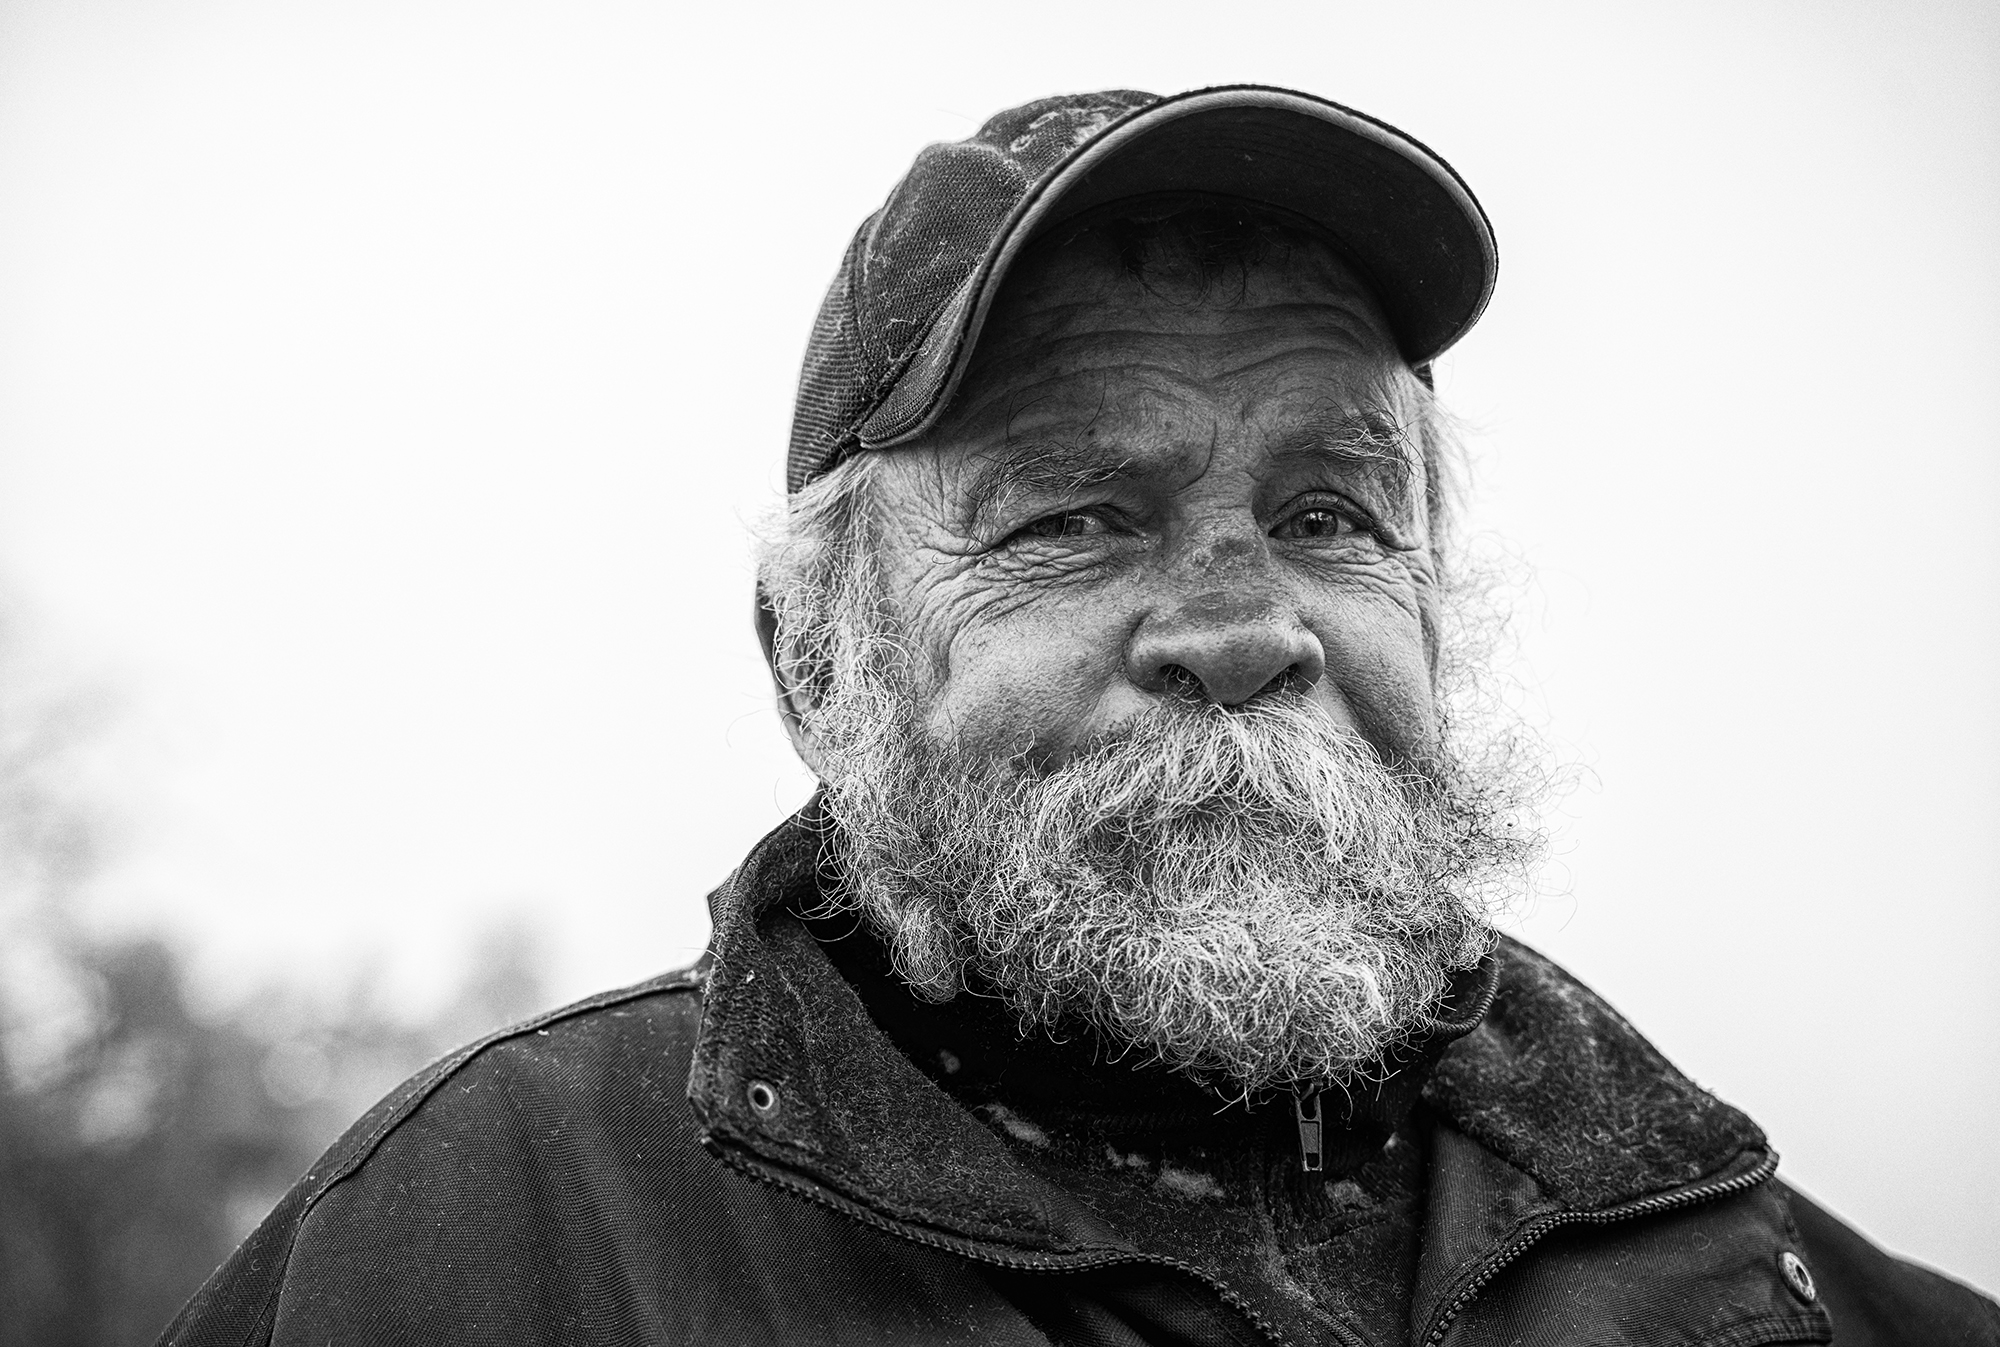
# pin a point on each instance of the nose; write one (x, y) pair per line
(1228, 648)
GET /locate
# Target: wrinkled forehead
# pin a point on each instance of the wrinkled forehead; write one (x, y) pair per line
(1104, 346)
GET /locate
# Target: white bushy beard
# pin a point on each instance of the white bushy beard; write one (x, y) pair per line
(1249, 895)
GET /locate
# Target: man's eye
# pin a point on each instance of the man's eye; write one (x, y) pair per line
(1068, 524)
(1321, 521)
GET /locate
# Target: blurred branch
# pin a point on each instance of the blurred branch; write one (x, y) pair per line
(138, 1141)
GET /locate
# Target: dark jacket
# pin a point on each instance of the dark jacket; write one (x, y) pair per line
(736, 1153)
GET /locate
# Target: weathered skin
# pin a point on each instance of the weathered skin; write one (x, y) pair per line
(1142, 486)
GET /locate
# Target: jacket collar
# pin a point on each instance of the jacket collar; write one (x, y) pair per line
(1555, 1108)
(1553, 1104)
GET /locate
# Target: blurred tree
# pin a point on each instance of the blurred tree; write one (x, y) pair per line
(140, 1141)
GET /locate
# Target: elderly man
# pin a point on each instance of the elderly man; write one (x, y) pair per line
(1133, 977)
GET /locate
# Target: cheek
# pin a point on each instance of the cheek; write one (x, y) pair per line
(1030, 680)
(1378, 658)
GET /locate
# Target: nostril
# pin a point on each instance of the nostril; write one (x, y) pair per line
(1180, 681)
(1292, 678)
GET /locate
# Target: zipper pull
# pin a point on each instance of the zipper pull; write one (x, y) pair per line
(1306, 1106)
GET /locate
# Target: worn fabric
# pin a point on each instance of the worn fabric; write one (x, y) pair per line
(1149, 1150)
(737, 1153)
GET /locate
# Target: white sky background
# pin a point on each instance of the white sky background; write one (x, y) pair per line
(383, 387)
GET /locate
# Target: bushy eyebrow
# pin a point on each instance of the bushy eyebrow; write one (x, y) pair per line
(1371, 441)
(1039, 468)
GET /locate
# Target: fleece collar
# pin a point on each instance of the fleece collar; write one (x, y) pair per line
(1552, 1104)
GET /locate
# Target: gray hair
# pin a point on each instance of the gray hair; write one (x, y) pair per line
(820, 574)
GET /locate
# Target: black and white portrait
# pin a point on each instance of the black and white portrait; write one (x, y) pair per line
(1296, 674)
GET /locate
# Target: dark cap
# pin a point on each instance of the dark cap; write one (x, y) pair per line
(897, 328)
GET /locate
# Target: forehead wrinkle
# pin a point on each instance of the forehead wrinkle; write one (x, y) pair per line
(1065, 404)
(1282, 360)
(1137, 355)
(1038, 333)
(1037, 329)
(1317, 321)
(1166, 369)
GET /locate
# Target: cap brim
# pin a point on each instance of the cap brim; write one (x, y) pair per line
(1405, 220)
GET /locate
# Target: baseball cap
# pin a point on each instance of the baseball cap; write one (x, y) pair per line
(897, 328)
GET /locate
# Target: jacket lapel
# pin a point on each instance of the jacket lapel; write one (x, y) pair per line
(1556, 1111)
(1555, 1082)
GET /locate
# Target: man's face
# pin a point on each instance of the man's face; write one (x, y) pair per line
(1132, 721)
(1148, 490)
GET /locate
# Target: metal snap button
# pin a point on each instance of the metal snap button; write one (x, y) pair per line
(1797, 1277)
(763, 1097)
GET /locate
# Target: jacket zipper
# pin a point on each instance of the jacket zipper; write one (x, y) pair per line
(1499, 1259)
(967, 1249)
(1495, 1263)
(1306, 1109)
